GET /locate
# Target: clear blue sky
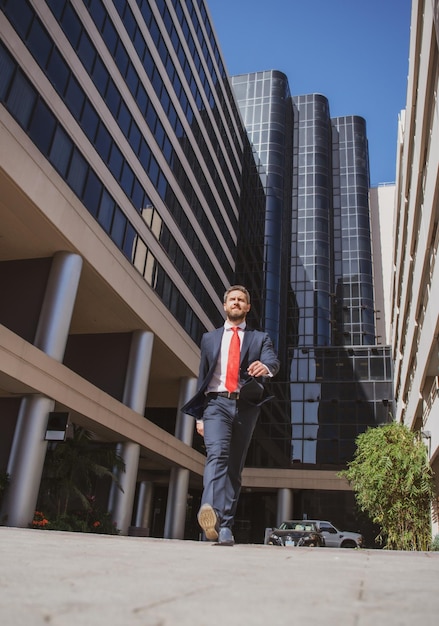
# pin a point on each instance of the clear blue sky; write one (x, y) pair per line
(354, 52)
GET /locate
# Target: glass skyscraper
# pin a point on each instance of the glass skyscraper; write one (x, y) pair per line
(319, 298)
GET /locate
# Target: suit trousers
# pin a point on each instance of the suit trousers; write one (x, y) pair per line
(228, 429)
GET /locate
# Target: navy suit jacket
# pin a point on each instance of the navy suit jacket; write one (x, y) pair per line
(256, 346)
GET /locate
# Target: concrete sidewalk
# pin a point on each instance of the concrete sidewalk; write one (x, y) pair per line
(76, 579)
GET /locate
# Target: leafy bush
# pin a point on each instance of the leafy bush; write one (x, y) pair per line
(86, 521)
(393, 484)
(71, 472)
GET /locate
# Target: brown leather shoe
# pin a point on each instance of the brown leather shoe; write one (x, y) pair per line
(208, 521)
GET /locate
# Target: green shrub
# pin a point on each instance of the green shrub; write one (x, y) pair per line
(393, 484)
(85, 521)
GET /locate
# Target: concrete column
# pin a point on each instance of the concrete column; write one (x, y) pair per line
(56, 313)
(121, 499)
(28, 450)
(177, 503)
(179, 478)
(26, 461)
(185, 424)
(144, 504)
(284, 505)
(139, 366)
(136, 387)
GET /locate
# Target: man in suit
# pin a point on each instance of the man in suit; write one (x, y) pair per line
(234, 361)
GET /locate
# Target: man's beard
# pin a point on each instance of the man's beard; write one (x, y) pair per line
(236, 315)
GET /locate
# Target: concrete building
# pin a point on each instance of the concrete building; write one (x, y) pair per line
(121, 166)
(415, 279)
(382, 205)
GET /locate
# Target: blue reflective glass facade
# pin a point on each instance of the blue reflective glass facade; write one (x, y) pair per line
(265, 104)
(318, 287)
(353, 275)
(312, 220)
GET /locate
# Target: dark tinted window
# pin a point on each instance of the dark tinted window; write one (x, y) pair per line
(58, 71)
(71, 25)
(20, 15)
(86, 51)
(118, 227)
(77, 173)
(60, 153)
(89, 120)
(103, 142)
(39, 43)
(21, 99)
(7, 68)
(106, 210)
(75, 97)
(92, 193)
(42, 127)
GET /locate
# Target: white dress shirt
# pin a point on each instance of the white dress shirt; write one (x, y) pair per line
(218, 381)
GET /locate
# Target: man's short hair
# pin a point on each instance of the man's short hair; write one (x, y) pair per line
(238, 288)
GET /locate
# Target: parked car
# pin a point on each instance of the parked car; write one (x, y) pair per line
(296, 533)
(335, 538)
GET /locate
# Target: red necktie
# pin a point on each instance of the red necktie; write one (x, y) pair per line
(233, 362)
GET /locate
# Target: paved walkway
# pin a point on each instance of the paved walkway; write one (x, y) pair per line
(74, 579)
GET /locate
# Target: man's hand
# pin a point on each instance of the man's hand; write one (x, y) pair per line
(258, 369)
(200, 427)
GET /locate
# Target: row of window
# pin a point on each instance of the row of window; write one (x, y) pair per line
(313, 182)
(355, 339)
(351, 200)
(315, 321)
(325, 452)
(326, 439)
(340, 369)
(335, 431)
(310, 105)
(257, 90)
(114, 101)
(353, 267)
(128, 20)
(216, 53)
(309, 199)
(352, 303)
(350, 126)
(37, 38)
(348, 417)
(34, 116)
(167, 19)
(324, 430)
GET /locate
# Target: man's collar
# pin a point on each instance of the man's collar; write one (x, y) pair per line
(228, 325)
